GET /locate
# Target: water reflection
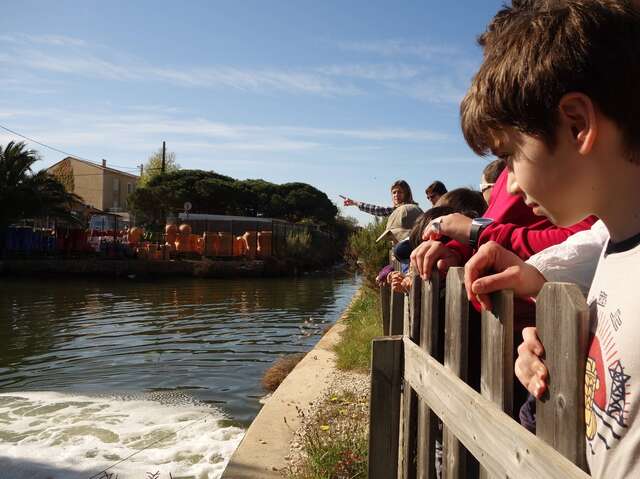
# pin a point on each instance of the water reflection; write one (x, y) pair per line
(212, 338)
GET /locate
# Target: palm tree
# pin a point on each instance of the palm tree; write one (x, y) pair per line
(25, 194)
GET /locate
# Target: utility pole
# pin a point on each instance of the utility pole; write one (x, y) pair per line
(141, 169)
(164, 150)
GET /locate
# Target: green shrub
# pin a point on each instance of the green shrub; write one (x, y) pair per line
(369, 255)
(363, 323)
(298, 244)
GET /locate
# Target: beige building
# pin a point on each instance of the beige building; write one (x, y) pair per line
(99, 186)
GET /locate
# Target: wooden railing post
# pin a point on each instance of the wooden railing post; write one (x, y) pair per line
(396, 324)
(562, 319)
(410, 398)
(455, 457)
(431, 327)
(502, 446)
(496, 377)
(384, 420)
(385, 308)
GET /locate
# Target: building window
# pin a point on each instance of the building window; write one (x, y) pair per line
(129, 188)
(116, 184)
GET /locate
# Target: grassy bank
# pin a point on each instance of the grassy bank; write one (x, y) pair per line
(336, 435)
(363, 323)
(335, 439)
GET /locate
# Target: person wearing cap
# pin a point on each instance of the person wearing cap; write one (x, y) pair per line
(400, 195)
(399, 225)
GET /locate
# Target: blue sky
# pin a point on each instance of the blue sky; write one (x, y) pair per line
(345, 95)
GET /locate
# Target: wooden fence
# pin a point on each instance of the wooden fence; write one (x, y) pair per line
(420, 375)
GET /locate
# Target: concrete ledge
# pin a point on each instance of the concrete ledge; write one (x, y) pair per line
(116, 268)
(262, 452)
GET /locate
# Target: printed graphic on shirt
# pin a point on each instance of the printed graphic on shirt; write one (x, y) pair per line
(606, 386)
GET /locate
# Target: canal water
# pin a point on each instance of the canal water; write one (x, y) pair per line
(158, 377)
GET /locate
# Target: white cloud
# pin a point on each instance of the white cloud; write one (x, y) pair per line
(62, 55)
(377, 72)
(398, 47)
(53, 40)
(143, 130)
(432, 89)
(88, 65)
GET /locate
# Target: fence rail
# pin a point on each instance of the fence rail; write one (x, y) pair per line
(425, 374)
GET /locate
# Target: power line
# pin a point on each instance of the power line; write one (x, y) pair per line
(58, 150)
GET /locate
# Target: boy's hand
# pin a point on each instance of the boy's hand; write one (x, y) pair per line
(529, 368)
(397, 282)
(433, 253)
(456, 226)
(392, 275)
(512, 273)
(407, 283)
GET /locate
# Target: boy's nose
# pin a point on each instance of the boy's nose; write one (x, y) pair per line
(512, 184)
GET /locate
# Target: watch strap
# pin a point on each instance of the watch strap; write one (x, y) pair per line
(474, 234)
(476, 230)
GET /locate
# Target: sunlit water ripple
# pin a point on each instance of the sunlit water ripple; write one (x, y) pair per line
(91, 370)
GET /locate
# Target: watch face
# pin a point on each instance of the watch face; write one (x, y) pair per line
(482, 221)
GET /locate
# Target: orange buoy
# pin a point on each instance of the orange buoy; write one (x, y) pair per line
(226, 244)
(183, 243)
(265, 243)
(134, 235)
(211, 243)
(251, 240)
(171, 234)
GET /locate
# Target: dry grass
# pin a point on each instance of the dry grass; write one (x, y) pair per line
(335, 439)
(280, 369)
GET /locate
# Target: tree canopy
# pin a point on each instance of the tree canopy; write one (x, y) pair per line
(25, 194)
(153, 166)
(212, 193)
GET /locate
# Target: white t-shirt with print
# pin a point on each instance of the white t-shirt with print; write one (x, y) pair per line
(612, 375)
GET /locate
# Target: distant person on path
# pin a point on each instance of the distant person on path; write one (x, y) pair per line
(399, 226)
(400, 195)
(434, 191)
(490, 175)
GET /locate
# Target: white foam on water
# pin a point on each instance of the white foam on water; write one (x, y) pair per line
(47, 435)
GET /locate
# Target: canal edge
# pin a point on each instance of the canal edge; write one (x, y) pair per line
(264, 449)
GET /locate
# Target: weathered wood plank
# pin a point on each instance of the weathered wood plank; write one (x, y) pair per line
(385, 308)
(431, 328)
(562, 319)
(410, 398)
(456, 359)
(501, 445)
(384, 409)
(396, 324)
(496, 383)
(496, 377)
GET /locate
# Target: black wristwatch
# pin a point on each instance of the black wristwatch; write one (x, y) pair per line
(477, 225)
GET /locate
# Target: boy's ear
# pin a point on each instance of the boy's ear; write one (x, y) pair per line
(578, 118)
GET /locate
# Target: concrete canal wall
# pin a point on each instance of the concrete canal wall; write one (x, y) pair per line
(142, 268)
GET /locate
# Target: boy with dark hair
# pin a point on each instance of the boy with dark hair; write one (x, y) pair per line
(556, 97)
(490, 175)
(434, 191)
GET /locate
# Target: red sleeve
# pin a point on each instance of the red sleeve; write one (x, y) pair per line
(525, 241)
(463, 250)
